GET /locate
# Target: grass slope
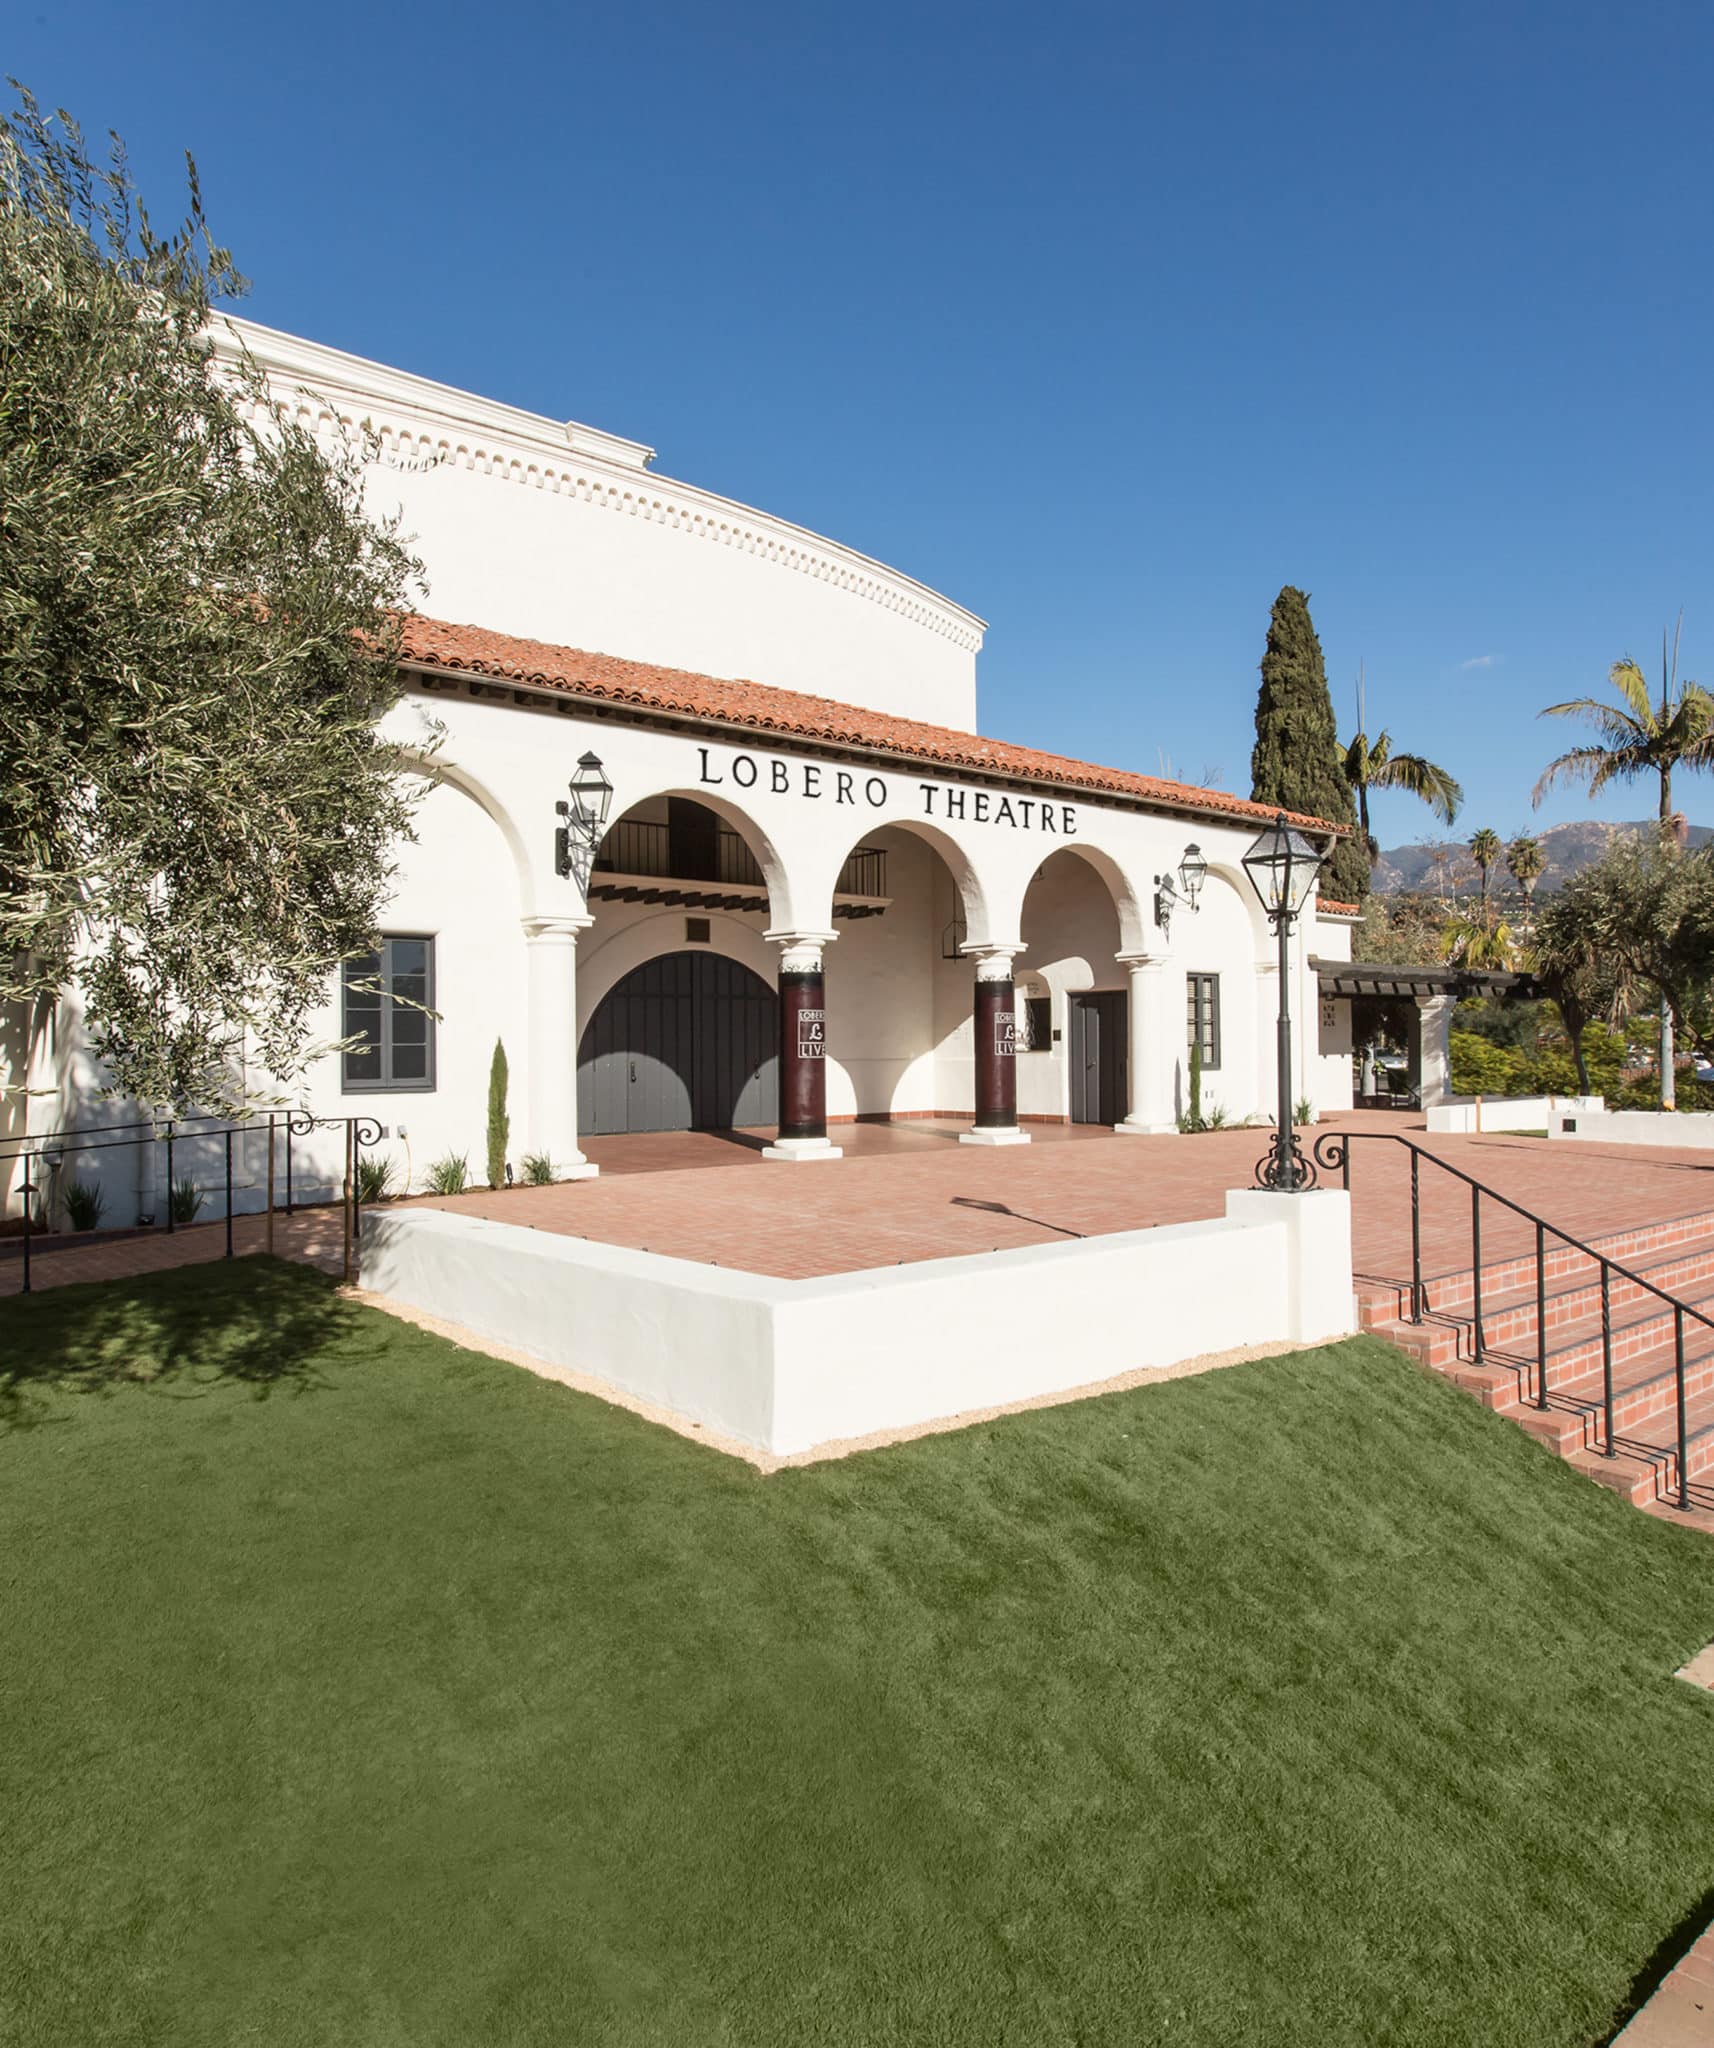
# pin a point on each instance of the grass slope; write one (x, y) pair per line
(359, 1690)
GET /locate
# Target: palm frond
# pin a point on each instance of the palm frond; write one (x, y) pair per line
(1594, 767)
(1632, 685)
(1617, 727)
(1419, 777)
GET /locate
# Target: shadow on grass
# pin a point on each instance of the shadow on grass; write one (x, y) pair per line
(1666, 1958)
(258, 1322)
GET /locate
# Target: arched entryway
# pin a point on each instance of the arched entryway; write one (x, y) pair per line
(687, 1041)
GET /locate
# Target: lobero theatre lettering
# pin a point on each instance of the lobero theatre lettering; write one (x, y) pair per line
(809, 779)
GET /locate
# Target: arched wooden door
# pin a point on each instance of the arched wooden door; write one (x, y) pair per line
(688, 1041)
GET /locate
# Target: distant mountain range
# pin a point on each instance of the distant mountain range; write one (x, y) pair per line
(1440, 865)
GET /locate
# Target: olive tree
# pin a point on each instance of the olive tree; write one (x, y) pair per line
(198, 629)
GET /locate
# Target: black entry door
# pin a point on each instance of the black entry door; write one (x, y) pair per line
(689, 1041)
(1100, 1034)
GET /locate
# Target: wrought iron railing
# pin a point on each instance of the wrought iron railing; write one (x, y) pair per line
(637, 846)
(47, 1150)
(1333, 1153)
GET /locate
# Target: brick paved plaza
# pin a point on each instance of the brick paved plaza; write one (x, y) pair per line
(910, 1191)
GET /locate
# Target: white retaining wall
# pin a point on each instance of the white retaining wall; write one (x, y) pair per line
(786, 1365)
(1686, 1131)
(1508, 1112)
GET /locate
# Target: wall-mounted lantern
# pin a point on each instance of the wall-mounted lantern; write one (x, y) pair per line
(1192, 873)
(577, 840)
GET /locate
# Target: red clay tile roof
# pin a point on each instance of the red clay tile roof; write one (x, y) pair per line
(607, 678)
(1333, 909)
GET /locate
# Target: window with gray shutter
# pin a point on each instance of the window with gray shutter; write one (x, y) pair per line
(388, 997)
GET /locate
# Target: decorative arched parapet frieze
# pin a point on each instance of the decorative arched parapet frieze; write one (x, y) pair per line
(334, 394)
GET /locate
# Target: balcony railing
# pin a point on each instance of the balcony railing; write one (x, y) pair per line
(636, 847)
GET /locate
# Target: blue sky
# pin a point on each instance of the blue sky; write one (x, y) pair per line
(1106, 321)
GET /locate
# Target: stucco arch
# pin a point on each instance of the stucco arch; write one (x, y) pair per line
(775, 872)
(604, 963)
(1232, 876)
(974, 887)
(448, 774)
(1132, 895)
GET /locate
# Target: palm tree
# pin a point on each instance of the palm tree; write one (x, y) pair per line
(1485, 851)
(1378, 767)
(1637, 739)
(1526, 860)
(1481, 946)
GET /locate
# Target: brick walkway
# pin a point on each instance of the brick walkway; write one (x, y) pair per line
(1681, 2012)
(313, 1235)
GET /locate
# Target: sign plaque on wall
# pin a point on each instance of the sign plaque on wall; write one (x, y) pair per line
(1005, 1034)
(811, 1034)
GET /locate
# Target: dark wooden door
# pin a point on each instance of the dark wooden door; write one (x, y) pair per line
(1098, 1041)
(688, 1041)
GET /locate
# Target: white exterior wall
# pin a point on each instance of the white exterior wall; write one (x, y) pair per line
(898, 1013)
(559, 532)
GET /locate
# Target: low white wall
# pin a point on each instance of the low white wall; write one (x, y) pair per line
(1508, 1112)
(1686, 1131)
(789, 1364)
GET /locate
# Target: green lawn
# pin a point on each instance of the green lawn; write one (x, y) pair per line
(359, 1690)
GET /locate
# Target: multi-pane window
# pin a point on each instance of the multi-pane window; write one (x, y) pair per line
(1202, 1016)
(1038, 1024)
(388, 996)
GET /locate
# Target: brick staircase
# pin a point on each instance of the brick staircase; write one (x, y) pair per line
(1677, 1257)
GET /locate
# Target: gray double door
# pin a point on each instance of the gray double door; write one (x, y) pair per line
(686, 1042)
(1099, 1044)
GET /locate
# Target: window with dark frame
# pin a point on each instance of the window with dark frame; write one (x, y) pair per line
(387, 999)
(1038, 1024)
(1202, 1016)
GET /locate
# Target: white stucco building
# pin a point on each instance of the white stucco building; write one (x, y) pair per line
(803, 823)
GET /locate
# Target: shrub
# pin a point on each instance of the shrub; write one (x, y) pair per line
(185, 1201)
(374, 1177)
(1480, 1067)
(450, 1174)
(499, 1123)
(538, 1170)
(1304, 1113)
(84, 1204)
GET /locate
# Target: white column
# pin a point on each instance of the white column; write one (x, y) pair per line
(1435, 1013)
(1155, 1018)
(550, 951)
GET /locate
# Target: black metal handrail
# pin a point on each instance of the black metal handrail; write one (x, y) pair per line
(1333, 1151)
(49, 1148)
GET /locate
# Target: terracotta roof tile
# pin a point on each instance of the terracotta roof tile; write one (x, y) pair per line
(759, 707)
(1333, 909)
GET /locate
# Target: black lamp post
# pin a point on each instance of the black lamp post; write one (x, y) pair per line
(1282, 867)
(585, 816)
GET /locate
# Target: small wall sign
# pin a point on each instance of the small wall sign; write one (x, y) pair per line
(811, 1034)
(1005, 1034)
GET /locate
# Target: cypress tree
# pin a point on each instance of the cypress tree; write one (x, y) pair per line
(499, 1123)
(1297, 762)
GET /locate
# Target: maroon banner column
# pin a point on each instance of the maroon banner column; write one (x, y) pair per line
(996, 1053)
(803, 1052)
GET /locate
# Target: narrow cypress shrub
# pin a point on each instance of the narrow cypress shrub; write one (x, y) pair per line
(499, 1123)
(1297, 763)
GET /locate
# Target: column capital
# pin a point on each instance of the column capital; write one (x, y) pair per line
(555, 927)
(993, 960)
(800, 952)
